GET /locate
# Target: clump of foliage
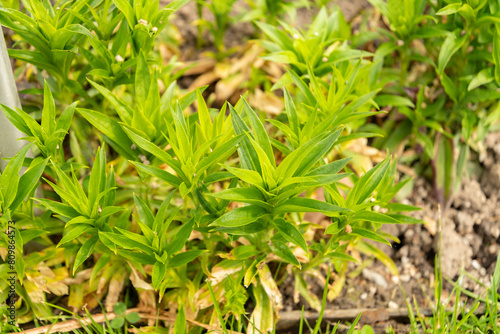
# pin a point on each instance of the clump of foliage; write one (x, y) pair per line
(148, 188)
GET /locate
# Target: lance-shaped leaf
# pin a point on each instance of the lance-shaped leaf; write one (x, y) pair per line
(369, 235)
(28, 181)
(291, 233)
(184, 257)
(283, 251)
(111, 129)
(9, 180)
(180, 238)
(365, 185)
(246, 152)
(243, 195)
(221, 153)
(261, 135)
(84, 252)
(155, 151)
(159, 173)
(374, 217)
(240, 216)
(300, 204)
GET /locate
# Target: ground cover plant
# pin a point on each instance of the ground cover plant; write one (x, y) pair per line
(192, 210)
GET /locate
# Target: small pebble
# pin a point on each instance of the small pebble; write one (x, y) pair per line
(405, 278)
(363, 296)
(374, 277)
(393, 304)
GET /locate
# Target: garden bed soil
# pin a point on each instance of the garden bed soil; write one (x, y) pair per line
(470, 242)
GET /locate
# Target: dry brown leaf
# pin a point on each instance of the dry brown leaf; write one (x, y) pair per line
(137, 280)
(3, 253)
(114, 291)
(269, 285)
(204, 79)
(39, 282)
(267, 102)
(81, 277)
(58, 288)
(219, 273)
(199, 66)
(227, 87)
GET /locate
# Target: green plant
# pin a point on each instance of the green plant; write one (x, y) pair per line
(321, 46)
(271, 11)
(449, 46)
(122, 317)
(220, 9)
(59, 33)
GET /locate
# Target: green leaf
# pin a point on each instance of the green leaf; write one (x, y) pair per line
(97, 178)
(291, 233)
(159, 173)
(374, 217)
(133, 317)
(285, 57)
(496, 53)
(341, 256)
(127, 10)
(84, 252)
(49, 111)
(159, 271)
(144, 211)
(111, 129)
(75, 232)
(450, 46)
(260, 132)
(124, 112)
(9, 180)
(240, 216)
(185, 257)
(16, 119)
(246, 175)
(204, 116)
(59, 208)
(128, 240)
(484, 77)
(300, 204)
(221, 153)
(120, 308)
(367, 184)
(117, 322)
(180, 238)
(291, 112)
(248, 156)
(28, 181)
(180, 322)
(156, 151)
(393, 100)
(449, 9)
(369, 235)
(443, 169)
(281, 249)
(142, 79)
(303, 88)
(243, 195)
(331, 168)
